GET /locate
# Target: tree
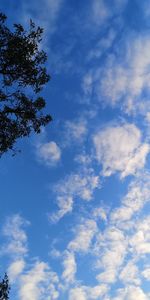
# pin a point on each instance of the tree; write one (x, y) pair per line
(4, 288)
(22, 77)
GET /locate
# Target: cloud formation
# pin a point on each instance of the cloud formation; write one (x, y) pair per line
(76, 185)
(102, 249)
(13, 230)
(120, 149)
(48, 153)
(84, 235)
(38, 283)
(69, 265)
(32, 280)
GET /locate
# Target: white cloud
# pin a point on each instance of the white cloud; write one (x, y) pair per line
(77, 293)
(115, 248)
(84, 235)
(111, 260)
(131, 292)
(75, 130)
(129, 274)
(48, 153)
(87, 292)
(38, 283)
(108, 276)
(65, 206)
(119, 148)
(69, 265)
(119, 240)
(54, 8)
(47, 12)
(123, 77)
(140, 240)
(100, 213)
(137, 196)
(122, 214)
(96, 291)
(110, 249)
(83, 159)
(101, 11)
(76, 185)
(16, 245)
(146, 273)
(126, 75)
(15, 269)
(79, 185)
(102, 46)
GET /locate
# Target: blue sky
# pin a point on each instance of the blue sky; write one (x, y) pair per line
(75, 202)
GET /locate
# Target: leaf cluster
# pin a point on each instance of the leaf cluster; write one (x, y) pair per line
(22, 77)
(4, 288)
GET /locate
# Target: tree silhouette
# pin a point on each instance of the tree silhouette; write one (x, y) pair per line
(22, 77)
(4, 288)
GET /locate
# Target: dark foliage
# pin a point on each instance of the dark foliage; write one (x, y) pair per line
(4, 288)
(22, 76)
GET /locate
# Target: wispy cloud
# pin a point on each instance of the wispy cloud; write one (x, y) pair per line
(75, 131)
(84, 235)
(137, 196)
(129, 274)
(123, 76)
(101, 11)
(48, 153)
(77, 185)
(33, 280)
(98, 50)
(16, 244)
(128, 78)
(45, 13)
